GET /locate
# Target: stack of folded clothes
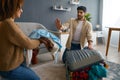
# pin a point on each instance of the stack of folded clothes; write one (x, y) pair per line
(85, 64)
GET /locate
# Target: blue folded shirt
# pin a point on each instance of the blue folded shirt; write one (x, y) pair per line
(36, 34)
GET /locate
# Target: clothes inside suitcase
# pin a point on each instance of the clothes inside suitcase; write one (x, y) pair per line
(79, 62)
(77, 59)
(87, 73)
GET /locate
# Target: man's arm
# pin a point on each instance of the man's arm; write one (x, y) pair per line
(89, 36)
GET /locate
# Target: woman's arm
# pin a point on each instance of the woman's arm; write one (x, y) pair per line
(17, 37)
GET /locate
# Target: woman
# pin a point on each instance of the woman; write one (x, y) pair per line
(13, 41)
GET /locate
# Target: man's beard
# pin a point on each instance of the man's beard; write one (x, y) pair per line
(80, 17)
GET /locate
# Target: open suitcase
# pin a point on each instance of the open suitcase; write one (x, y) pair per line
(78, 63)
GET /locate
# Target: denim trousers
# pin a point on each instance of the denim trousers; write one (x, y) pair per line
(20, 73)
(73, 47)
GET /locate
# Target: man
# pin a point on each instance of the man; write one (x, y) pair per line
(80, 30)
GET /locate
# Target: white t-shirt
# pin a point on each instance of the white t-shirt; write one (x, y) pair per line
(76, 36)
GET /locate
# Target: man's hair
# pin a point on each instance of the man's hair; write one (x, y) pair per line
(9, 7)
(82, 8)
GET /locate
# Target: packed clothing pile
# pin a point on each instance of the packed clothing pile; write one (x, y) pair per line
(85, 65)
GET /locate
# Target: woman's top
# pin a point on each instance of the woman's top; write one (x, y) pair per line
(12, 44)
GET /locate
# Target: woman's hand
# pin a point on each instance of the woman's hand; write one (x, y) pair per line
(49, 45)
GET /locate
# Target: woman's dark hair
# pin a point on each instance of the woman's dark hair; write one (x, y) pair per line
(83, 8)
(9, 7)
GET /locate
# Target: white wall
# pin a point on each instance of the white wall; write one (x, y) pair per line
(111, 17)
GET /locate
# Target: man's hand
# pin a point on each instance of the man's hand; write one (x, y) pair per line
(90, 45)
(49, 45)
(58, 23)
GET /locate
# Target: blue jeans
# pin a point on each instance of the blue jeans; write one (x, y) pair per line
(73, 47)
(20, 73)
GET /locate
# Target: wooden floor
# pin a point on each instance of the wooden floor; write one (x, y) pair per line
(113, 54)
